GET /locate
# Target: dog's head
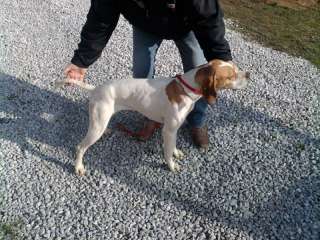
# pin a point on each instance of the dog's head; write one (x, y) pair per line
(218, 74)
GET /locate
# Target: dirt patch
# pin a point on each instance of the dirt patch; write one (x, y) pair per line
(295, 31)
(294, 4)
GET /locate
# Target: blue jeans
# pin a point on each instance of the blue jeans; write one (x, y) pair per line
(145, 47)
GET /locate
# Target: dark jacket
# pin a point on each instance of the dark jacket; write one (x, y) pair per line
(204, 17)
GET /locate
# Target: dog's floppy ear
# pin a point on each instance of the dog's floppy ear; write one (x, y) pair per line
(205, 76)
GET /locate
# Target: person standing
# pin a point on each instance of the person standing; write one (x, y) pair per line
(196, 26)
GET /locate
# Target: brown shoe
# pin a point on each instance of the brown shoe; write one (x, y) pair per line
(144, 134)
(148, 130)
(200, 136)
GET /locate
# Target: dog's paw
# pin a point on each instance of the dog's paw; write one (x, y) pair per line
(178, 154)
(80, 171)
(174, 167)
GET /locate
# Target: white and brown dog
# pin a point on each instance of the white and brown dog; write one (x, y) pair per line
(164, 100)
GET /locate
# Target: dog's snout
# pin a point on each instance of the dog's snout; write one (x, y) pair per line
(247, 75)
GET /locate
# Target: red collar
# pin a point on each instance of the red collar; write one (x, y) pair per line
(187, 85)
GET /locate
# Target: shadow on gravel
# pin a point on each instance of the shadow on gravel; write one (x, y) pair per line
(284, 215)
(293, 213)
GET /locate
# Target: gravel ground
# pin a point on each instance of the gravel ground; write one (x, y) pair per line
(259, 179)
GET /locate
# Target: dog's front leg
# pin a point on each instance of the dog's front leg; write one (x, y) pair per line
(79, 168)
(178, 154)
(169, 145)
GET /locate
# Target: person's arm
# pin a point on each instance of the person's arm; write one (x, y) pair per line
(101, 21)
(209, 29)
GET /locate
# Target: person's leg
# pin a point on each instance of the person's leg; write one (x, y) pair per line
(145, 47)
(190, 52)
(192, 56)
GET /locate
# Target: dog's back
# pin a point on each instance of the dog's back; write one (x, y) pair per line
(146, 96)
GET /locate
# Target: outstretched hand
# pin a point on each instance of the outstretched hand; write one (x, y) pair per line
(74, 72)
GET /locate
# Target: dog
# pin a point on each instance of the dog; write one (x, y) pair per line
(165, 100)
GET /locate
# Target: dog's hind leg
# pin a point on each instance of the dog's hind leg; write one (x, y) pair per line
(99, 116)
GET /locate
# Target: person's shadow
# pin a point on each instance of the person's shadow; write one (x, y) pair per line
(35, 117)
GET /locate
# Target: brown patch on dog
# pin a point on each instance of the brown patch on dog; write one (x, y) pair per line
(205, 77)
(224, 73)
(215, 75)
(175, 92)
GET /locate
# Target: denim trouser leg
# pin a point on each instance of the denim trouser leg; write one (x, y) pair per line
(192, 56)
(145, 47)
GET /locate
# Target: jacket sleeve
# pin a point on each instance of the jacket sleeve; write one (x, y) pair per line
(96, 32)
(209, 29)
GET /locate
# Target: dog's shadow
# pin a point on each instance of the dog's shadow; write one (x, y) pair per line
(34, 118)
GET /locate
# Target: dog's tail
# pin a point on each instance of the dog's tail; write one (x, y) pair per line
(82, 84)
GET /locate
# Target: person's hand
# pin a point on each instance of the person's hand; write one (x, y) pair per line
(74, 72)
